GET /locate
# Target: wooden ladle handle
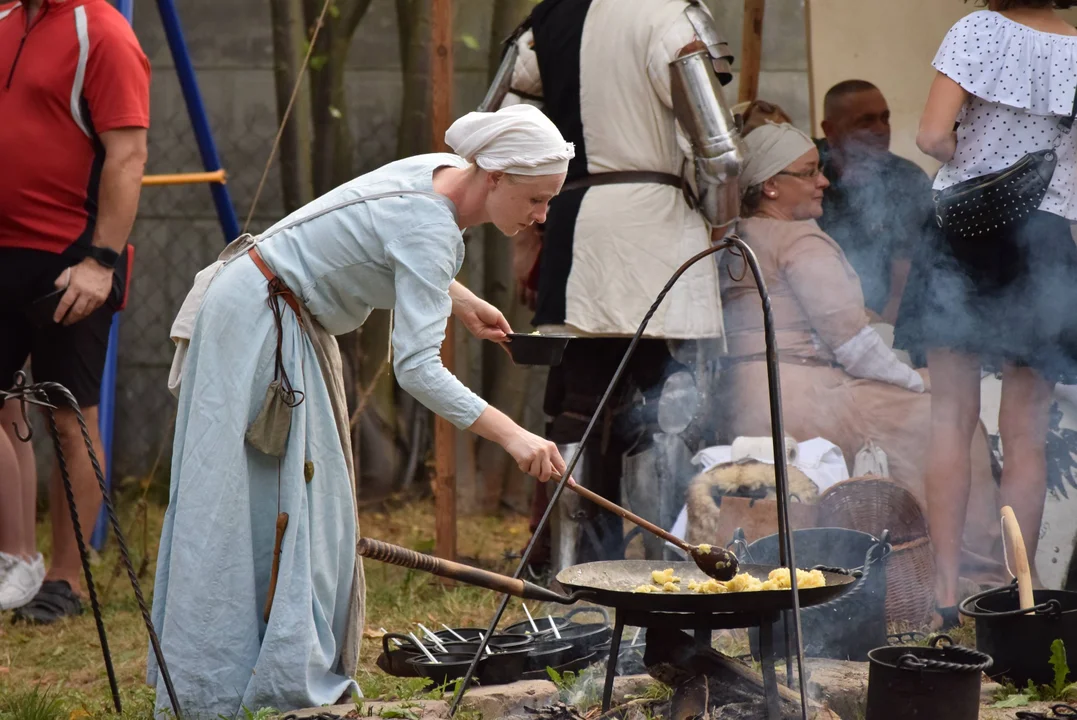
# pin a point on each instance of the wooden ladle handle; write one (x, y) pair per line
(1012, 532)
(618, 510)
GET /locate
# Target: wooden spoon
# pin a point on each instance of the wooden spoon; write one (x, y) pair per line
(1012, 531)
(714, 561)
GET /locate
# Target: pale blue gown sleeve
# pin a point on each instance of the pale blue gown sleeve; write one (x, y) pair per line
(424, 264)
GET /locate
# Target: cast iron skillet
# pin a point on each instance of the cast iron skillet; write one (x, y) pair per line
(613, 583)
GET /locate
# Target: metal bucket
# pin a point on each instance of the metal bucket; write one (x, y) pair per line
(930, 683)
(1020, 643)
(850, 626)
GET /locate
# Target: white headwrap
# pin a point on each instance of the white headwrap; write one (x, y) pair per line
(518, 139)
(769, 149)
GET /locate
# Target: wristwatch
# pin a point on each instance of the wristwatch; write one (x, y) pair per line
(104, 257)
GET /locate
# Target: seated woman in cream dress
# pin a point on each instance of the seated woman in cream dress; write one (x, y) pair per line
(839, 379)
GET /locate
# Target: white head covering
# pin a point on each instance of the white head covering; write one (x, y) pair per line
(518, 139)
(769, 149)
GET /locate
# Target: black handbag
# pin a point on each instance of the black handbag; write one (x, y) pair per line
(1000, 199)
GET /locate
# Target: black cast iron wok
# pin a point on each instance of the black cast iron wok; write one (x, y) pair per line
(613, 583)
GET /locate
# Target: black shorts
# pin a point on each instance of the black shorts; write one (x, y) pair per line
(1007, 297)
(72, 355)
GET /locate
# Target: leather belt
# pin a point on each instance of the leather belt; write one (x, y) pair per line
(625, 177)
(276, 285)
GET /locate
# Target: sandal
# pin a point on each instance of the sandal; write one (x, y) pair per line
(54, 601)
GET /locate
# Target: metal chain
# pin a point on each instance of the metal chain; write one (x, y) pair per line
(38, 394)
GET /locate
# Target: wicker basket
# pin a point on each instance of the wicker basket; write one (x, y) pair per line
(872, 504)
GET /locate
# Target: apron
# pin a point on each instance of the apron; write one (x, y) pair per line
(329, 361)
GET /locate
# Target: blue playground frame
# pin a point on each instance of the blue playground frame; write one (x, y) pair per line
(226, 214)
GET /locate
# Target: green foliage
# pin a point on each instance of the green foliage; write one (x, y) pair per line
(31, 704)
(657, 691)
(1060, 688)
(563, 682)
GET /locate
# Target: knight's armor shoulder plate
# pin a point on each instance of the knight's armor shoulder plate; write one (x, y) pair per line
(707, 32)
(703, 114)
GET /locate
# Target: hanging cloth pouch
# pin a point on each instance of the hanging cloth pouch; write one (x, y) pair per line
(269, 431)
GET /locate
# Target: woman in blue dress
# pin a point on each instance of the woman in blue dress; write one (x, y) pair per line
(262, 436)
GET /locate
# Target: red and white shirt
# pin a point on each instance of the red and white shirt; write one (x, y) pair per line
(73, 72)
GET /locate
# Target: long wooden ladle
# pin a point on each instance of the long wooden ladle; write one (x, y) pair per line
(1012, 531)
(714, 561)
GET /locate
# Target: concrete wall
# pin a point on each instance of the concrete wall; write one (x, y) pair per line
(231, 47)
(783, 78)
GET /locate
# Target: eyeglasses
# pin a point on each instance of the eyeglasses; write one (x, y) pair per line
(804, 175)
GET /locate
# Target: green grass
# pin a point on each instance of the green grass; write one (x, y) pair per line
(58, 671)
(32, 704)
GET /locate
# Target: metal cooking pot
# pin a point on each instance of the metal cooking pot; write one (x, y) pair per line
(1019, 642)
(446, 669)
(583, 637)
(548, 653)
(394, 659)
(852, 625)
(930, 683)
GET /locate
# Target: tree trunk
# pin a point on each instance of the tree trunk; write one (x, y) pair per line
(333, 163)
(333, 146)
(413, 23)
(293, 155)
(506, 385)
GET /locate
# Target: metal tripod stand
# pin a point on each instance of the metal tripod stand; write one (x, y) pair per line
(781, 476)
(44, 395)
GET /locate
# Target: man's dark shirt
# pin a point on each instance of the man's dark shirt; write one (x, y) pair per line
(879, 217)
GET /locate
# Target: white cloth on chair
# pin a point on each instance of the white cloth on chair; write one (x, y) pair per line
(762, 449)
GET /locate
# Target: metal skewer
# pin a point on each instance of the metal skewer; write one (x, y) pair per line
(530, 619)
(433, 638)
(452, 632)
(423, 648)
(553, 625)
(386, 632)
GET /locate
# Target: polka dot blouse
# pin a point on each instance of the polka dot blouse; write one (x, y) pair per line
(1022, 83)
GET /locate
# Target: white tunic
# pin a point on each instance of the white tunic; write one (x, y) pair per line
(1022, 82)
(630, 238)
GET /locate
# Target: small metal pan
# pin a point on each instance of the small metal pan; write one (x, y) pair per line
(537, 349)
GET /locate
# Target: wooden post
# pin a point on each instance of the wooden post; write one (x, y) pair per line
(751, 50)
(441, 82)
